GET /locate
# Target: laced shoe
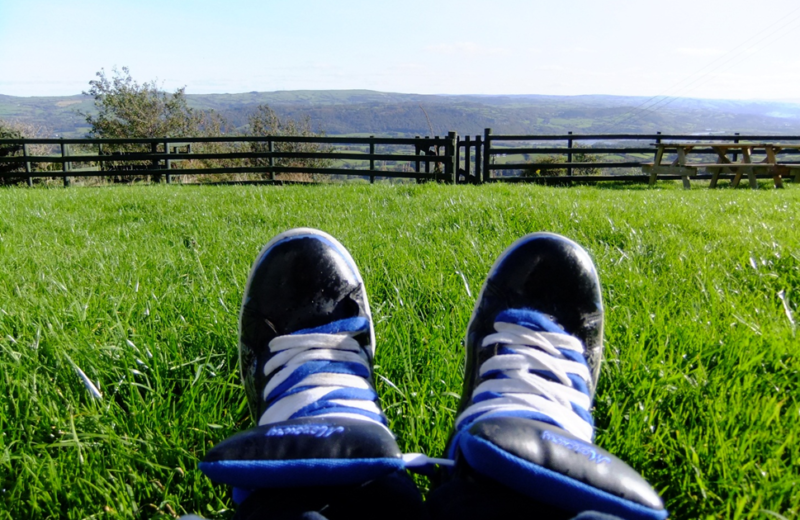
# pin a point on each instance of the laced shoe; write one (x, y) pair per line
(534, 348)
(306, 345)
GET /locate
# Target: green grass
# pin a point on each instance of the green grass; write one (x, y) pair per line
(139, 287)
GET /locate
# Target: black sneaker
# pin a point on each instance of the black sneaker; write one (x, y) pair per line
(306, 345)
(534, 347)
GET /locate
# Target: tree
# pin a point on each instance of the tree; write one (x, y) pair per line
(265, 122)
(129, 110)
(126, 109)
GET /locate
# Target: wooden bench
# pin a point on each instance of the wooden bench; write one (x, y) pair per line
(769, 167)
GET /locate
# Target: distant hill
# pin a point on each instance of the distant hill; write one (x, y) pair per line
(339, 112)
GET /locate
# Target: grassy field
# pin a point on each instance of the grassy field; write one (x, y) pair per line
(138, 288)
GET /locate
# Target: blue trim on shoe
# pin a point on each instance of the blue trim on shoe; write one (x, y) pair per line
(314, 367)
(362, 394)
(240, 495)
(529, 318)
(485, 396)
(537, 321)
(583, 414)
(325, 405)
(254, 474)
(579, 384)
(348, 410)
(546, 485)
(357, 324)
(573, 356)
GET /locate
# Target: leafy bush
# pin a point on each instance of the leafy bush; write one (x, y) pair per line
(578, 157)
(7, 131)
(549, 159)
(20, 130)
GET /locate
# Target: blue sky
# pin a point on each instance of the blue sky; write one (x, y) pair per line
(734, 49)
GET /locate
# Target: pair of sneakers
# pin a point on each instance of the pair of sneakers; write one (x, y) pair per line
(534, 346)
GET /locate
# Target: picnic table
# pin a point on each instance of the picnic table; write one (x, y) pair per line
(769, 166)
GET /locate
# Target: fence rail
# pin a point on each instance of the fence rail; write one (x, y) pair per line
(614, 153)
(564, 158)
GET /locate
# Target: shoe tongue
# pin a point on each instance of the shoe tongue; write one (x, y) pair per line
(530, 319)
(357, 324)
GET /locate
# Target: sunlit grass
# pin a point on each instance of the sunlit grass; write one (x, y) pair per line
(139, 288)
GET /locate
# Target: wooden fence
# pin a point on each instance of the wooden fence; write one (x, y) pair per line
(423, 159)
(533, 158)
(548, 159)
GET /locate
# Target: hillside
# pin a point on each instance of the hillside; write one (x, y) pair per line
(369, 112)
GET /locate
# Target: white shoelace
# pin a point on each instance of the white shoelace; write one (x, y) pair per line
(516, 390)
(294, 352)
(329, 370)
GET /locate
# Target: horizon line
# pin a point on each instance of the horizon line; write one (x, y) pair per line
(752, 100)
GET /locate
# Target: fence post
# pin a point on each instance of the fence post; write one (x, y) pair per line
(271, 148)
(487, 149)
(167, 162)
(27, 164)
(427, 163)
(371, 160)
(154, 162)
(416, 152)
(569, 155)
(101, 163)
(436, 166)
(451, 151)
(467, 157)
(658, 141)
(457, 165)
(478, 161)
(64, 165)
